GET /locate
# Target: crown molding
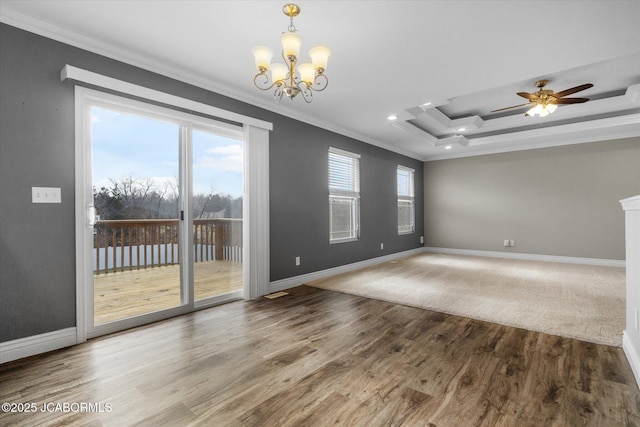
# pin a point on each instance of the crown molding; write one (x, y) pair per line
(631, 203)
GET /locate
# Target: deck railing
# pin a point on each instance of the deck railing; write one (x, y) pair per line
(121, 245)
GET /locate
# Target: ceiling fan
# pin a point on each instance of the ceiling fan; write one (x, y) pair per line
(545, 101)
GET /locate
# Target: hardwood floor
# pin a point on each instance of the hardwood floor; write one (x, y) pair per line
(317, 357)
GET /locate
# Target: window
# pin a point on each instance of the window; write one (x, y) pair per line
(406, 204)
(344, 195)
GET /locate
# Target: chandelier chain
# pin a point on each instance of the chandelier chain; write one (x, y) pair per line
(292, 28)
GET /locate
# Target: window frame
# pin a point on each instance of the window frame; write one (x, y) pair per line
(406, 199)
(352, 195)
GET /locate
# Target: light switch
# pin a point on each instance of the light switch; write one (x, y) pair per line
(46, 195)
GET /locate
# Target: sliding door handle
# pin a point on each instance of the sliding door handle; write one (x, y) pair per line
(91, 216)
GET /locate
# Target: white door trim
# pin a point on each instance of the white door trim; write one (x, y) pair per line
(76, 74)
(83, 262)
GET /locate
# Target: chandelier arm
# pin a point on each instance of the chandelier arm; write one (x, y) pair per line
(321, 81)
(264, 85)
(277, 94)
(306, 91)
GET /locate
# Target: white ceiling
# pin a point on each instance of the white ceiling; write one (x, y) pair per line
(388, 57)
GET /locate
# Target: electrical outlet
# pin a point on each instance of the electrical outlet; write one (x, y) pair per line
(421, 240)
(46, 195)
(506, 243)
(381, 246)
(512, 243)
(297, 260)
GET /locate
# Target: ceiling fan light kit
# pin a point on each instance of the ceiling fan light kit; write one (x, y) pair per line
(545, 101)
(541, 110)
(288, 79)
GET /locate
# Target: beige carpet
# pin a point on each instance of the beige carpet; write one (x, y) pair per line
(576, 301)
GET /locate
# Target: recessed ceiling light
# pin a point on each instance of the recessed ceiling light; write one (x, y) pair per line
(448, 147)
(392, 117)
(462, 129)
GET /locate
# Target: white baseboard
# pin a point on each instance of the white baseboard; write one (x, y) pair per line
(30, 346)
(291, 282)
(530, 257)
(633, 355)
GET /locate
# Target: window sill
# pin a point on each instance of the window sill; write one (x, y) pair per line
(350, 239)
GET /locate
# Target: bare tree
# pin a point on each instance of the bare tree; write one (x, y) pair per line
(131, 198)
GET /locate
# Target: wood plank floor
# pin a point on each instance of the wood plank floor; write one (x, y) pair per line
(130, 293)
(318, 357)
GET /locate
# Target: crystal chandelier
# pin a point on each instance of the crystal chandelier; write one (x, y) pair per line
(288, 79)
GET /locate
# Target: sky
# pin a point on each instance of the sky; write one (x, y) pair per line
(127, 145)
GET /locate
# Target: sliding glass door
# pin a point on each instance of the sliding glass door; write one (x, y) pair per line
(166, 218)
(137, 201)
(217, 200)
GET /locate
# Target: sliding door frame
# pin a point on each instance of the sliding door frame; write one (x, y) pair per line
(256, 201)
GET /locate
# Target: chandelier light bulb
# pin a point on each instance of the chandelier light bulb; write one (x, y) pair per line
(319, 58)
(307, 73)
(278, 72)
(290, 45)
(263, 56)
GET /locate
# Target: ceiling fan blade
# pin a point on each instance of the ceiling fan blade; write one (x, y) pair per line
(531, 97)
(571, 100)
(515, 106)
(573, 90)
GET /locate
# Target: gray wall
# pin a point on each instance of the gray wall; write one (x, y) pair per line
(37, 242)
(553, 201)
(300, 210)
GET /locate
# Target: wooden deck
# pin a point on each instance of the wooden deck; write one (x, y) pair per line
(131, 293)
